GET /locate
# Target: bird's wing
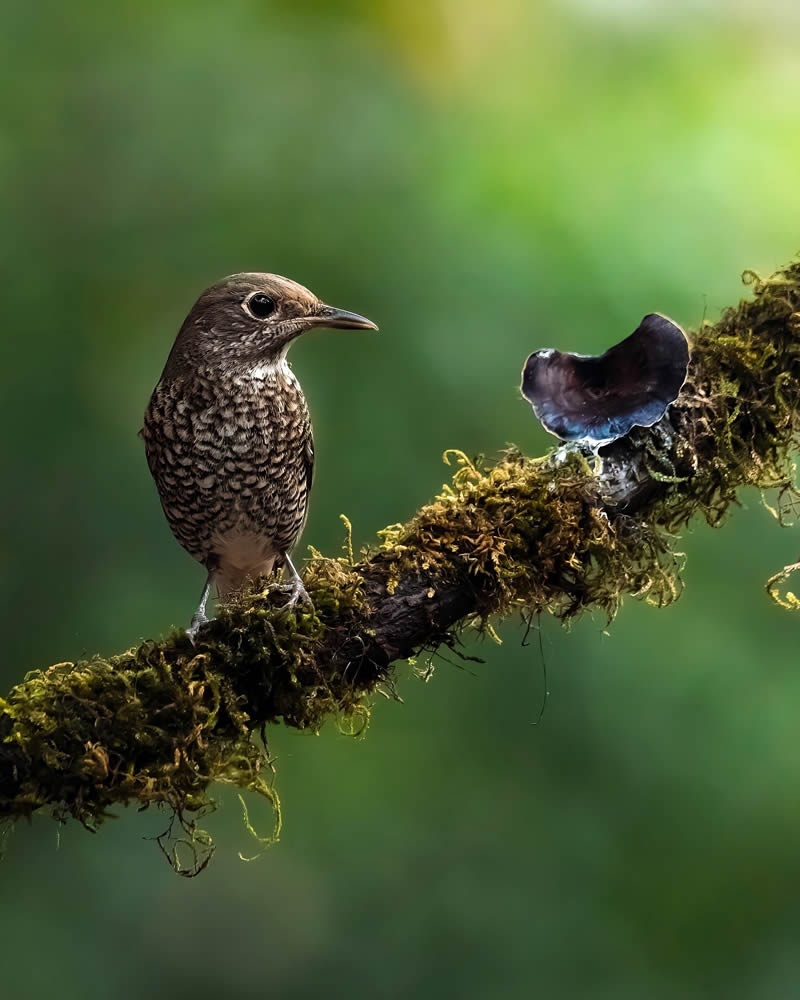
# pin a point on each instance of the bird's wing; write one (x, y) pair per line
(308, 462)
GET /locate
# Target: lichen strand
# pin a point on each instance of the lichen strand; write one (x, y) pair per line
(560, 534)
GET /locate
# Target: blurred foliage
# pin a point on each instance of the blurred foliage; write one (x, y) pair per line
(484, 180)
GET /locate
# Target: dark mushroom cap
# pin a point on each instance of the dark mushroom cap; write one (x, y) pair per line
(596, 399)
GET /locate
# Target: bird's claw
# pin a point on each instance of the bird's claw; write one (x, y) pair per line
(297, 594)
(197, 622)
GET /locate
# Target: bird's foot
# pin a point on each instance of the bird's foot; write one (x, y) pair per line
(297, 594)
(294, 588)
(200, 618)
(197, 622)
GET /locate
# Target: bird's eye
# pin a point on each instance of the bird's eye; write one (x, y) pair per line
(261, 305)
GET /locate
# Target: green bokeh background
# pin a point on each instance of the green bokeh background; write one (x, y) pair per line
(483, 180)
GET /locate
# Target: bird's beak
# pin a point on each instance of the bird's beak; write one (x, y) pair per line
(332, 317)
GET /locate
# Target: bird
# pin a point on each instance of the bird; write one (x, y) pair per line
(227, 432)
(593, 400)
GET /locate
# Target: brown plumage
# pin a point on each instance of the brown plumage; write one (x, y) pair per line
(228, 434)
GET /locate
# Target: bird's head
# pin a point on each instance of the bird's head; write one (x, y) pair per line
(250, 319)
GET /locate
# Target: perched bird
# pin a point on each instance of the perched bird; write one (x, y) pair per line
(593, 400)
(227, 432)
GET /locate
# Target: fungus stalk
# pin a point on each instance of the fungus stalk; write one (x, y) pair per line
(160, 723)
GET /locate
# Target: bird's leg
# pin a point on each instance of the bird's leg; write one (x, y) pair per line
(297, 592)
(199, 617)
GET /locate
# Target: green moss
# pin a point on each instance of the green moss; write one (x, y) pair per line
(160, 723)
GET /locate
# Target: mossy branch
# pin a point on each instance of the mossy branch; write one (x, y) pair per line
(559, 534)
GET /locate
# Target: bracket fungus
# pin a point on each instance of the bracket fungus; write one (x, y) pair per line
(595, 399)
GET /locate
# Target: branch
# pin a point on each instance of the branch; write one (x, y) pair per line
(161, 722)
